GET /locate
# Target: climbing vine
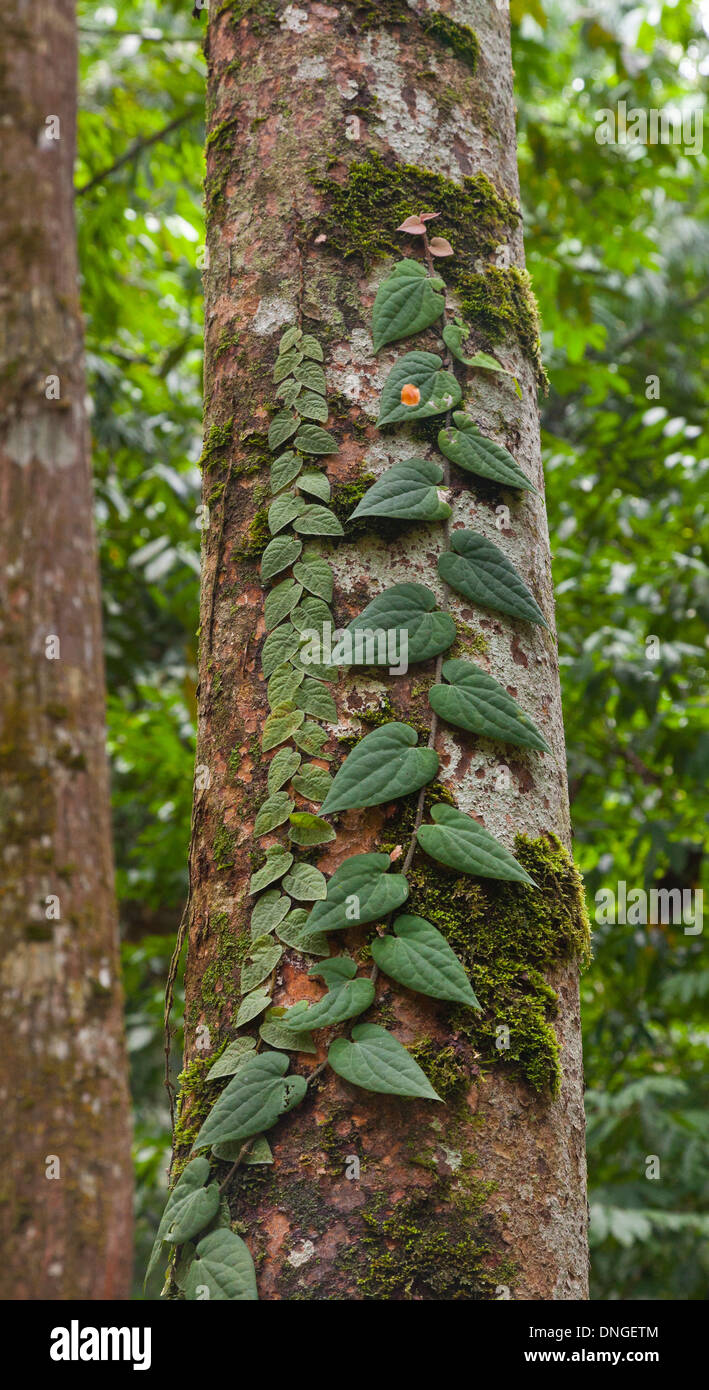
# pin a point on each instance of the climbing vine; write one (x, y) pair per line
(293, 905)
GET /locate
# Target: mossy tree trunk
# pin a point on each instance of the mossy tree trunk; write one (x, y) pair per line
(328, 125)
(65, 1210)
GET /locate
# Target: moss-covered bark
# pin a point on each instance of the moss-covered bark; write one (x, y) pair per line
(328, 126)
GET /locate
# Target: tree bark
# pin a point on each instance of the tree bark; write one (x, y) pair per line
(329, 124)
(66, 1200)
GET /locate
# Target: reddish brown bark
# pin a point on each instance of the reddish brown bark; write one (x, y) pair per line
(484, 1197)
(65, 1210)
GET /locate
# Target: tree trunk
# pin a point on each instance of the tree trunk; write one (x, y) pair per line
(66, 1204)
(329, 125)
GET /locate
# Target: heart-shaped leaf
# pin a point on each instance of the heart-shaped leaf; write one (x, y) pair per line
(310, 347)
(459, 842)
(280, 725)
(282, 687)
(311, 439)
(191, 1182)
(311, 738)
(251, 1006)
(289, 338)
(346, 1001)
(479, 571)
(312, 407)
(383, 766)
(276, 1032)
(360, 890)
(279, 647)
(278, 862)
(284, 470)
(251, 1103)
(312, 376)
(308, 830)
(275, 810)
(269, 910)
(313, 782)
(282, 426)
(407, 491)
(193, 1214)
(433, 390)
(316, 576)
(470, 450)
(282, 767)
(316, 484)
(418, 956)
(280, 602)
(222, 1269)
(234, 1055)
(288, 392)
(306, 884)
(314, 520)
(283, 510)
(264, 957)
(293, 933)
(280, 554)
(407, 301)
(454, 335)
(286, 363)
(377, 1061)
(476, 702)
(403, 607)
(314, 698)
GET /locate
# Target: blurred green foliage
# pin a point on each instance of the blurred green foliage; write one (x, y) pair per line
(618, 246)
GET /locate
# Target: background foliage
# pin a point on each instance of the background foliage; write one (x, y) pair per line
(618, 247)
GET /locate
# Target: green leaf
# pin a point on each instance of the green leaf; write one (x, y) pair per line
(313, 407)
(282, 426)
(335, 971)
(251, 1006)
(476, 702)
(307, 829)
(278, 862)
(407, 301)
(191, 1181)
(293, 933)
(260, 1152)
(251, 1103)
(474, 453)
(316, 576)
(312, 739)
(268, 912)
(479, 571)
(377, 1062)
(383, 766)
(306, 884)
(275, 810)
(312, 376)
(288, 392)
(281, 688)
(283, 510)
(360, 890)
(282, 766)
(281, 725)
(314, 520)
(233, 1057)
(291, 336)
(275, 1031)
(264, 957)
(411, 607)
(286, 363)
(311, 613)
(419, 957)
(347, 1000)
(193, 1214)
(280, 602)
(407, 491)
(316, 484)
(310, 347)
(454, 335)
(439, 390)
(222, 1269)
(314, 698)
(457, 841)
(284, 470)
(311, 439)
(279, 647)
(279, 554)
(313, 782)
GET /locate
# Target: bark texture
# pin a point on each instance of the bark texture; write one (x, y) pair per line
(327, 125)
(65, 1203)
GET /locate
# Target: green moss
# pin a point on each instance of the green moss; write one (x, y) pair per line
(195, 1100)
(460, 39)
(223, 847)
(256, 540)
(347, 496)
(445, 1070)
(500, 303)
(218, 439)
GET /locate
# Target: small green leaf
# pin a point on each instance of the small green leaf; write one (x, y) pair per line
(281, 725)
(278, 862)
(438, 390)
(476, 702)
(419, 957)
(312, 376)
(284, 470)
(283, 510)
(316, 576)
(280, 602)
(307, 829)
(279, 647)
(376, 1061)
(223, 1266)
(407, 302)
(282, 767)
(310, 347)
(474, 453)
(312, 739)
(454, 335)
(383, 766)
(264, 957)
(313, 782)
(233, 1057)
(314, 698)
(191, 1182)
(407, 491)
(193, 1215)
(347, 1000)
(288, 392)
(306, 884)
(268, 912)
(409, 607)
(274, 812)
(251, 1006)
(457, 841)
(282, 426)
(311, 439)
(314, 520)
(275, 1031)
(480, 571)
(360, 890)
(291, 336)
(279, 554)
(282, 686)
(313, 407)
(293, 933)
(311, 613)
(316, 484)
(260, 1152)
(286, 363)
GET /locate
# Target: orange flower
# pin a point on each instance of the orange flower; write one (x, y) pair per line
(410, 395)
